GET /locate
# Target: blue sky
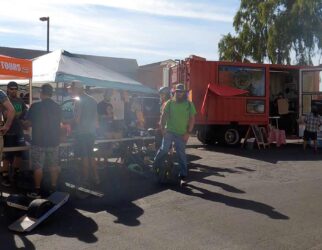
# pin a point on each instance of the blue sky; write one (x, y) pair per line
(147, 30)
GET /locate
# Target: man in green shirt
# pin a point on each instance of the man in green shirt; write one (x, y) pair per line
(177, 122)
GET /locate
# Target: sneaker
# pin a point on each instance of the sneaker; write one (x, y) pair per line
(183, 181)
(34, 195)
(6, 183)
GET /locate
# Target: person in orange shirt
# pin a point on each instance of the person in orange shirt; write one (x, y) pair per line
(165, 95)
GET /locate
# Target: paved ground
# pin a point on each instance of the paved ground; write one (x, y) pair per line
(236, 199)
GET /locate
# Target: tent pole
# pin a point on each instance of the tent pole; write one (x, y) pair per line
(57, 100)
(29, 129)
(30, 92)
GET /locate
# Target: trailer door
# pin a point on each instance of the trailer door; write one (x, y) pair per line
(310, 90)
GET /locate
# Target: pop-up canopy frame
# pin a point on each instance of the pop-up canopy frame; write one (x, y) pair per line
(15, 68)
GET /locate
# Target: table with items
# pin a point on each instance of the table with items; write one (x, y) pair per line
(124, 150)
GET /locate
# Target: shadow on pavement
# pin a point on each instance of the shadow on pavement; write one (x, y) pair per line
(289, 152)
(200, 177)
(70, 223)
(8, 239)
(120, 187)
(255, 206)
(201, 174)
(211, 170)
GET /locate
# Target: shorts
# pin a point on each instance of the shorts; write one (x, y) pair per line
(13, 141)
(44, 156)
(84, 145)
(308, 135)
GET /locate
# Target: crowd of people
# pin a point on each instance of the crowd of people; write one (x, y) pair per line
(45, 119)
(91, 119)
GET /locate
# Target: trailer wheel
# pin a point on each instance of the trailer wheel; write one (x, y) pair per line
(203, 136)
(231, 137)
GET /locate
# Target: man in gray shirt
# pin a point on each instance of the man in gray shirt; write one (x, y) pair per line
(85, 128)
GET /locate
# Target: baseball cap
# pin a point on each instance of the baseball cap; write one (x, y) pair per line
(164, 90)
(12, 84)
(180, 88)
(76, 84)
(47, 89)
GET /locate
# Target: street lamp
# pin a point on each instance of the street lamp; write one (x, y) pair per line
(46, 19)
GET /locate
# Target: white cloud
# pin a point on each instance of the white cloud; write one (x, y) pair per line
(82, 26)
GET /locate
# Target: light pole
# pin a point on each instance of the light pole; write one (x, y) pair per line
(43, 19)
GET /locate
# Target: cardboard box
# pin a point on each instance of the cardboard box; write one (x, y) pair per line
(282, 105)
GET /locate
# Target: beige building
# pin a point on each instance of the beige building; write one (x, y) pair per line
(156, 74)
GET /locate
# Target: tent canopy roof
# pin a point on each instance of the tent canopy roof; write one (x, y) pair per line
(62, 66)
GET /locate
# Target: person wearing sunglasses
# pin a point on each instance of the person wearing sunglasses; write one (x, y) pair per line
(177, 122)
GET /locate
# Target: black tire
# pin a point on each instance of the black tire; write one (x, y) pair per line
(204, 136)
(167, 172)
(39, 207)
(231, 137)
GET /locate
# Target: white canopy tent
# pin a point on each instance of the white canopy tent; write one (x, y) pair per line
(62, 67)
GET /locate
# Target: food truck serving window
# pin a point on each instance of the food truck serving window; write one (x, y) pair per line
(246, 78)
(255, 106)
(311, 90)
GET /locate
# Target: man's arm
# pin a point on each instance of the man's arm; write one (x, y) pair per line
(191, 123)
(163, 121)
(27, 122)
(10, 115)
(77, 112)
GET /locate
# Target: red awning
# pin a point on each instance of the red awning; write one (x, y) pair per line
(223, 90)
(220, 90)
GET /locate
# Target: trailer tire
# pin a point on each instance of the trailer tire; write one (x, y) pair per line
(231, 137)
(203, 136)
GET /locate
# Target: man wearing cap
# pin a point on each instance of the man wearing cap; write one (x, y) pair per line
(15, 136)
(44, 118)
(85, 115)
(177, 122)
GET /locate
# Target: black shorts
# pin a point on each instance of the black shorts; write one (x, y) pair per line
(308, 135)
(84, 145)
(13, 141)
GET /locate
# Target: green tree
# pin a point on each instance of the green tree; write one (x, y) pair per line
(274, 30)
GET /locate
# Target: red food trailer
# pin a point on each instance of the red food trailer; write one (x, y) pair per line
(231, 96)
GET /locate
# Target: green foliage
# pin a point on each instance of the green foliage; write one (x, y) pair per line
(274, 30)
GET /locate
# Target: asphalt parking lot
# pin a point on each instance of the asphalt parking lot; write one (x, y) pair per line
(235, 199)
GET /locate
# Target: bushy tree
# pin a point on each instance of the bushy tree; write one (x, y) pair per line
(274, 30)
